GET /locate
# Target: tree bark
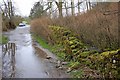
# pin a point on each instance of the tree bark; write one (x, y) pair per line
(50, 9)
(87, 5)
(72, 7)
(59, 5)
(78, 6)
(66, 5)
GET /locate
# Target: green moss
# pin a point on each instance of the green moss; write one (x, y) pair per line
(61, 55)
(67, 39)
(74, 50)
(107, 53)
(72, 38)
(73, 65)
(77, 74)
(71, 42)
(85, 54)
(73, 46)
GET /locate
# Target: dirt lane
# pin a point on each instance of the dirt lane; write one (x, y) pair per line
(30, 64)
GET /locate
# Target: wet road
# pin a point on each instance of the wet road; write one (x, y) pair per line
(28, 63)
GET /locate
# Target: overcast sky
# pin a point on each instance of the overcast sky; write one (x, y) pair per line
(23, 6)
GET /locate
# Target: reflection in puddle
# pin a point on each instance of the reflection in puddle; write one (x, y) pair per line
(28, 64)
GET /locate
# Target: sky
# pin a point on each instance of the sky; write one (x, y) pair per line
(23, 7)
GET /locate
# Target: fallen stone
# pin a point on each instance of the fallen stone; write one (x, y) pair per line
(48, 57)
(69, 70)
(64, 63)
(61, 67)
(57, 66)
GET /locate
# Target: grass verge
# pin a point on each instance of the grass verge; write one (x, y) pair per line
(3, 39)
(42, 42)
(52, 48)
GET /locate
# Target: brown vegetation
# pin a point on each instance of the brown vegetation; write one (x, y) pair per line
(40, 27)
(97, 27)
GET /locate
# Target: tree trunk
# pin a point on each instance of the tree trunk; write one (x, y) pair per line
(66, 7)
(78, 6)
(59, 5)
(72, 7)
(50, 10)
(87, 5)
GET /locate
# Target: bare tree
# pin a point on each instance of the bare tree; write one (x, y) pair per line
(72, 7)
(66, 7)
(50, 9)
(59, 5)
(8, 14)
(87, 5)
(79, 3)
(78, 6)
